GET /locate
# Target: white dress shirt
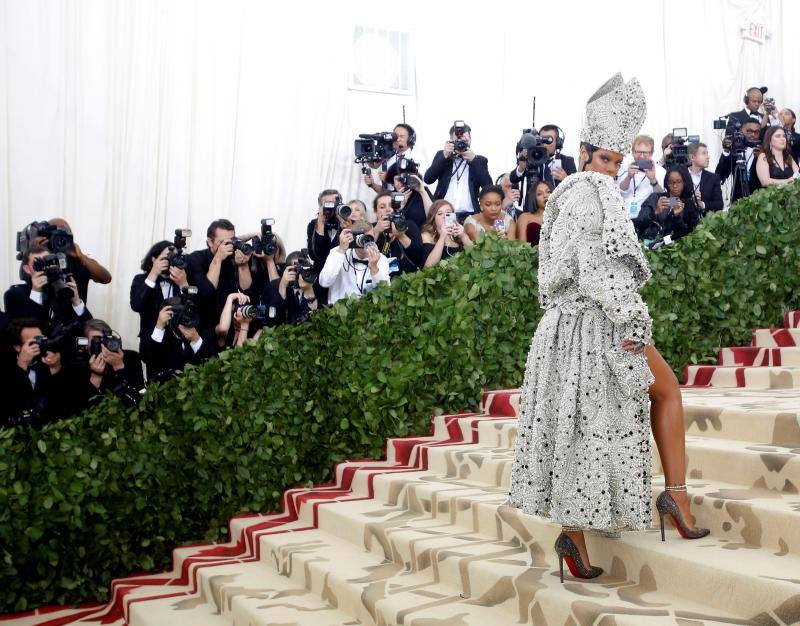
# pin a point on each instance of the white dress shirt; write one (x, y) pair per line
(458, 190)
(343, 276)
(639, 188)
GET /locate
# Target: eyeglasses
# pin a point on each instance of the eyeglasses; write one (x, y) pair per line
(642, 152)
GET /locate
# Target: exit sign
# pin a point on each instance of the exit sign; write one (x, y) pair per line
(754, 31)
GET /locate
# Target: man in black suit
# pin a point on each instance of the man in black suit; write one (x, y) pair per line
(557, 167)
(459, 173)
(42, 387)
(218, 271)
(707, 185)
(50, 302)
(727, 160)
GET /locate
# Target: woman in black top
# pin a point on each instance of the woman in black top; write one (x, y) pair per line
(673, 213)
(405, 246)
(775, 165)
(788, 120)
(440, 240)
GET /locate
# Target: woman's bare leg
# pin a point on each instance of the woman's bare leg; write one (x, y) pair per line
(666, 420)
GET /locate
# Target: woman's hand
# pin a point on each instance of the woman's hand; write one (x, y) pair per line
(632, 347)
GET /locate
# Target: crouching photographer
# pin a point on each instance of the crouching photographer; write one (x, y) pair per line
(241, 320)
(397, 237)
(111, 369)
(43, 387)
(298, 289)
(355, 266)
(666, 217)
(49, 293)
(176, 339)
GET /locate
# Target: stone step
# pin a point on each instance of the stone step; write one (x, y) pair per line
(753, 356)
(792, 319)
(776, 337)
(765, 416)
(746, 464)
(463, 525)
(749, 377)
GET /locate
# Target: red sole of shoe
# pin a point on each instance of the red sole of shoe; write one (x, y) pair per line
(677, 525)
(572, 568)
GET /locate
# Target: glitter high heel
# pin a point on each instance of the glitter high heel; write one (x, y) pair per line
(567, 550)
(667, 506)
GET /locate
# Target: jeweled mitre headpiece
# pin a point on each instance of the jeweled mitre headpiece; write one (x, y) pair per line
(614, 115)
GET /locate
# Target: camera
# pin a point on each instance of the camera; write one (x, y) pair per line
(109, 339)
(406, 170)
(331, 209)
(54, 267)
(185, 312)
(398, 218)
(361, 239)
(534, 143)
(49, 344)
(241, 246)
(374, 147)
(176, 256)
(459, 143)
(304, 268)
(267, 243)
(252, 312)
(721, 123)
(680, 149)
(57, 239)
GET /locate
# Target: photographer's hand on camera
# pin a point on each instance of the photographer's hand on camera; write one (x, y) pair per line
(27, 354)
(76, 297)
(164, 316)
(53, 362)
(345, 238)
(178, 276)
(290, 276)
(559, 174)
(191, 335)
(373, 255)
(38, 282)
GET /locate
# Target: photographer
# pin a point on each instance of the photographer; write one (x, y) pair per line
(707, 185)
(49, 293)
(158, 281)
(396, 236)
(176, 340)
(355, 266)
(671, 215)
(235, 327)
(418, 197)
(741, 147)
(511, 196)
(111, 369)
(56, 236)
(322, 233)
(219, 270)
(42, 387)
(459, 173)
(298, 288)
(753, 98)
(405, 138)
(558, 165)
(640, 176)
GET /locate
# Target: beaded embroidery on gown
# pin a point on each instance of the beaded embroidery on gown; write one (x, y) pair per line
(583, 453)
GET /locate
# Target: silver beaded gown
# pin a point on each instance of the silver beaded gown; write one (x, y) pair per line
(583, 454)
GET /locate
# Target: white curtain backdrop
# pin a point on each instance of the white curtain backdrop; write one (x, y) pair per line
(131, 118)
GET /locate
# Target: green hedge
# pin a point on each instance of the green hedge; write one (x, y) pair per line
(113, 491)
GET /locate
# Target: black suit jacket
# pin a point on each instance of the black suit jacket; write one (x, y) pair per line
(710, 189)
(18, 304)
(567, 164)
(173, 353)
(725, 168)
(147, 302)
(743, 116)
(441, 170)
(54, 397)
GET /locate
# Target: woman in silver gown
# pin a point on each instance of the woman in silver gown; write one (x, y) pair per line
(583, 455)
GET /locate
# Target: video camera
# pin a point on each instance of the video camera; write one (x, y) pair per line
(54, 267)
(534, 143)
(57, 239)
(177, 257)
(267, 243)
(184, 310)
(374, 148)
(679, 155)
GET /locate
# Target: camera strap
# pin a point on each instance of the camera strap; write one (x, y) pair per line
(459, 168)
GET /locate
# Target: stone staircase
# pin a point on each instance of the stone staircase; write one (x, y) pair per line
(423, 539)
